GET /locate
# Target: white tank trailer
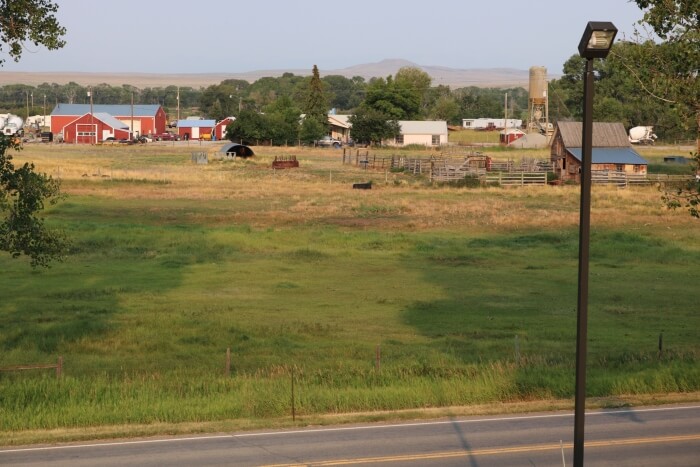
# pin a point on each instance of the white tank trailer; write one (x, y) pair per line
(11, 125)
(642, 135)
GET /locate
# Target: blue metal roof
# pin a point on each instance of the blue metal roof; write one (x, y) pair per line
(196, 123)
(611, 156)
(120, 110)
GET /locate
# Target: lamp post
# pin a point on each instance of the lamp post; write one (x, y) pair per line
(596, 43)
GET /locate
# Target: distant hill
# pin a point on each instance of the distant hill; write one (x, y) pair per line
(453, 77)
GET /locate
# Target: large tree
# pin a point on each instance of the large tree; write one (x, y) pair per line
(28, 21)
(670, 71)
(23, 191)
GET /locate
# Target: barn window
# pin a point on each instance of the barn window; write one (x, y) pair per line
(637, 168)
(620, 167)
(436, 140)
(399, 139)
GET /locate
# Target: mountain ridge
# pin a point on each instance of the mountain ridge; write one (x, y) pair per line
(441, 75)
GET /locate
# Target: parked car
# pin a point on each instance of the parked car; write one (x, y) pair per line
(167, 137)
(327, 142)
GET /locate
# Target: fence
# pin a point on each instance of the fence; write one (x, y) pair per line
(58, 366)
(514, 178)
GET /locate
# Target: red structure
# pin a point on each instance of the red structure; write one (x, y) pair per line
(94, 128)
(220, 128)
(145, 119)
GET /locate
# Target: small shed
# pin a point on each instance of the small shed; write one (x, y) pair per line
(238, 150)
(611, 150)
(94, 128)
(509, 135)
(195, 129)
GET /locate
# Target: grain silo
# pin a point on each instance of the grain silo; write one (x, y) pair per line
(538, 116)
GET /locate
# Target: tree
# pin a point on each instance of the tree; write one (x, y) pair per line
(29, 20)
(670, 71)
(372, 126)
(23, 191)
(23, 194)
(315, 107)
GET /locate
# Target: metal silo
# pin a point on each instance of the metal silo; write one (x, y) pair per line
(538, 119)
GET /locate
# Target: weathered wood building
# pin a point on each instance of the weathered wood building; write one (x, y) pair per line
(611, 150)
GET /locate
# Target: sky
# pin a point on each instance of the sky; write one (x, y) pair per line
(228, 36)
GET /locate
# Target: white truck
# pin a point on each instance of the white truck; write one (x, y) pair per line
(642, 135)
(11, 125)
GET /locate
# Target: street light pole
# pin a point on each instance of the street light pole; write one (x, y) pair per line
(596, 43)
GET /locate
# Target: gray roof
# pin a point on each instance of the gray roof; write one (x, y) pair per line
(423, 127)
(111, 121)
(196, 123)
(611, 156)
(605, 135)
(120, 110)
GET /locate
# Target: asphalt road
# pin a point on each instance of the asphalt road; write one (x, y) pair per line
(649, 436)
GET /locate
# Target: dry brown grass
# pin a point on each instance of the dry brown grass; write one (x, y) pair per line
(320, 191)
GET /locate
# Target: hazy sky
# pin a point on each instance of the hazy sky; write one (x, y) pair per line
(220, 36)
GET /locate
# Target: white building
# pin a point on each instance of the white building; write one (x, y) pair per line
(491, 123)
(424, 133)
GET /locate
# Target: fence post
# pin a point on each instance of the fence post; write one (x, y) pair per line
(294, 414)
(59, 367)
(228, 361)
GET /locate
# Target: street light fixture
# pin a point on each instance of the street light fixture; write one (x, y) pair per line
(596, 43)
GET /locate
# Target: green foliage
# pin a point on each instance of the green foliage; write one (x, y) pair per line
(372, 126)
(250, 127)
(23, 194)
(29, 21)
(316, 103)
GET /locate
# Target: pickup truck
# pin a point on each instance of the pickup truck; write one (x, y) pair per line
(327, 142)
(166, 137)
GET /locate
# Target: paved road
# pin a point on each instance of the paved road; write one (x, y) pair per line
(651, 436)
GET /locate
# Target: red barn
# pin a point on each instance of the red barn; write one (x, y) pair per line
(195, 129)
(147, 119)
(220, 128)
(94, 128)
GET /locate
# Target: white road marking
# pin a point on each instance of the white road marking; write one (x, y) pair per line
(351, 428)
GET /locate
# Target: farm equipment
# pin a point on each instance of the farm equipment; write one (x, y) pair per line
(642, 135)
(11, 125)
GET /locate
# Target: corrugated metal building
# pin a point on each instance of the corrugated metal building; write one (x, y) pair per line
(195, 129)
(94, 128)
(147, 119)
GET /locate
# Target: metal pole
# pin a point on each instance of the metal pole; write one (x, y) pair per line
(583, 257)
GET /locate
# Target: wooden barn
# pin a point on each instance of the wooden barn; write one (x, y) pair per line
(94, 128)
(146, 119)
(195, 129)
(611, 151)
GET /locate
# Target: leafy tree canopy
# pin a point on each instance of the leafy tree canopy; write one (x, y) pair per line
(28, 21)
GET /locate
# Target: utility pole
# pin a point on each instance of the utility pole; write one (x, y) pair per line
(92, 117)
(178, 103)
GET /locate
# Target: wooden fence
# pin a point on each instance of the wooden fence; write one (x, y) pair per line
(514, 178)
(58, 366)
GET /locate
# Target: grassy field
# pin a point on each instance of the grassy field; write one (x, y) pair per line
(467, 295)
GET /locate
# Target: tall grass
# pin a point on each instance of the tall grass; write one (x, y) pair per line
(470, 295)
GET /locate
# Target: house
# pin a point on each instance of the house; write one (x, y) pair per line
(141, 119)
(491, 123)
(424, 133)
(611, 150)
(94, 128)
(340, 127)
(195, 129)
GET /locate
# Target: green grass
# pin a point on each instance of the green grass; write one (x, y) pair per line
(156, 289)
(143, 313)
